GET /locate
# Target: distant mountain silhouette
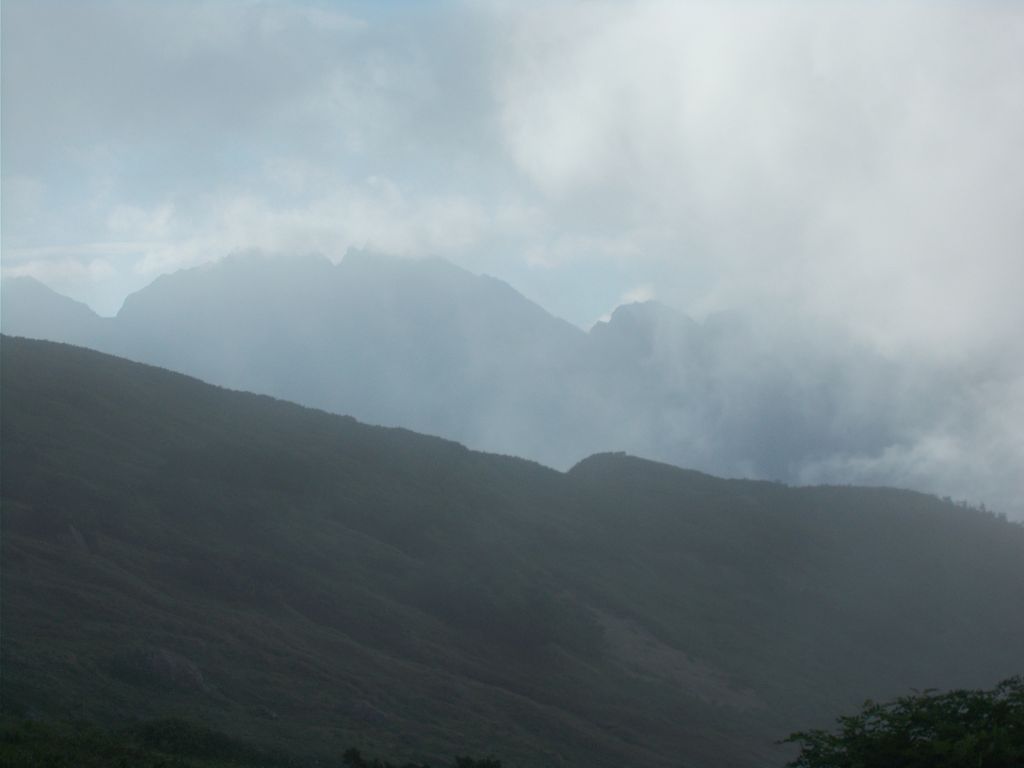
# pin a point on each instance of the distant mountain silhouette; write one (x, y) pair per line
(283, 574)
(419, 344)
(29, 308)
(426, 345)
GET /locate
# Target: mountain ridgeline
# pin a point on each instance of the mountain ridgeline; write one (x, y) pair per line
(307, 582)
(428, 346)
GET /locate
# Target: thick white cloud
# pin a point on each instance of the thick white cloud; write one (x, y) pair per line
(866, 162)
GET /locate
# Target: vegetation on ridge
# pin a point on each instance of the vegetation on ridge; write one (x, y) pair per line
(954, 729)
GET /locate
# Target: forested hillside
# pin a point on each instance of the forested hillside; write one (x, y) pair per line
(303, 581)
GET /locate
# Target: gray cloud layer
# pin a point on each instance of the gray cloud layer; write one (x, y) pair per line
(860, 166)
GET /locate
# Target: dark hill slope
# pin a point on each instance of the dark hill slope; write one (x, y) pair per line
(301, 579)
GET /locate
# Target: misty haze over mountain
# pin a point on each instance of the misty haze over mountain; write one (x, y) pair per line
(583, 382)
(834, 193)
(426, 345)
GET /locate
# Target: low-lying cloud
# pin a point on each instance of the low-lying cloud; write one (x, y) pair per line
(835, 165)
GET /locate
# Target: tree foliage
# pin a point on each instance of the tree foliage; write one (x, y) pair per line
(956, 729)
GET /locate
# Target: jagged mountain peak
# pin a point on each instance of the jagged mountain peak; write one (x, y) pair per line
(645, 317)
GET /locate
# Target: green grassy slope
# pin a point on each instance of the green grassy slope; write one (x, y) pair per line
(306, 582)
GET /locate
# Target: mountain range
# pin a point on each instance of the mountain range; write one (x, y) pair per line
(426, 345)
(302, 580)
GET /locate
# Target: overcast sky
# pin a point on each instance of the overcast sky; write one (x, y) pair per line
(858, 164)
